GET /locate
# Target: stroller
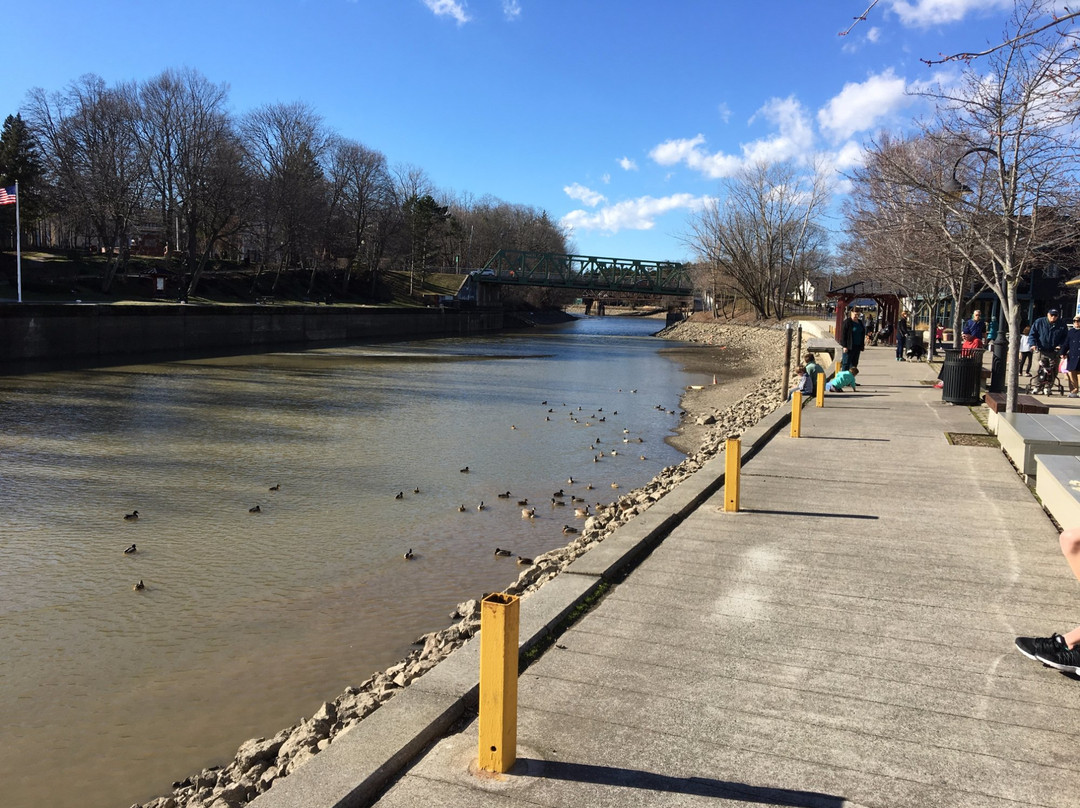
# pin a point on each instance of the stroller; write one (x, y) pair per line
(1043, 382)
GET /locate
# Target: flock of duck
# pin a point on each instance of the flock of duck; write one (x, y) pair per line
(558, 499)
(132, 549)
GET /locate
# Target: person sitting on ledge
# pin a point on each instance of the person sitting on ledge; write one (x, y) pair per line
(1059, 651)
(804, 383)
(845, 378)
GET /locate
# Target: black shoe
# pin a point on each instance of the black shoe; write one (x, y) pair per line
(1057, 654)
(1031, 647)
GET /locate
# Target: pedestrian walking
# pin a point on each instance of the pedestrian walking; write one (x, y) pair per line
(1027, 348)
(852, 340)
(1048, 334)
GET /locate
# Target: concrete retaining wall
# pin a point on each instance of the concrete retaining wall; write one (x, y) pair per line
(32, 333)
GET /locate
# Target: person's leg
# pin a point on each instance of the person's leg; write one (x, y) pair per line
(1072, 374)
(1025, 362)
(1060, 651)
(853, 357)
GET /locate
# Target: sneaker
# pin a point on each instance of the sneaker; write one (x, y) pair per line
(1031, 647)
(1074, 395)
(1058, 655)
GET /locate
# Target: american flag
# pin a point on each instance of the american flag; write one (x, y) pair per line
(7, 195)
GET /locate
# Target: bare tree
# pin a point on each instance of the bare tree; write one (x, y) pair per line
(762, 233)
(1013, 128)
(284, 144)
(95, 159)
(196, 163)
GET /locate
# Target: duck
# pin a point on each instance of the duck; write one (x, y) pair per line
(416, 490)
(567, 530)
(507, 495)
(409, 555)
(129, 551)
(595, 459)
(582, 513)
(502, 553)
(543, 403)
(614, 453)
(589, 487)
(570, 480)
(461, 508)
(276, 487)
(131, 517)
(602, 418)
(464, 470)
(614, 485)
(523, 501)
(399, 495)
(256, 509)
(642, 457)
(512, 426)
(480, 507)
(577, 499)
(528, 513)
(525, 562)
(559, 493)
(555, 502)
(139, 586)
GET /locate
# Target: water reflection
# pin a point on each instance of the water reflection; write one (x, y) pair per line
(248, 620)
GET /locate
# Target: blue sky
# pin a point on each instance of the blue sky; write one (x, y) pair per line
(617, 117)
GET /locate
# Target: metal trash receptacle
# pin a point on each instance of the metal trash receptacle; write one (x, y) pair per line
(961, 375)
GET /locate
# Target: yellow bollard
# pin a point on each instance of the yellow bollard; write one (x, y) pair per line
(837, 368)
(732, 461)
(498, 682)
(819, 389)
(796, 413)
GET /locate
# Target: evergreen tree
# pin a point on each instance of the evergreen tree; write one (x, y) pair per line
(19, 162)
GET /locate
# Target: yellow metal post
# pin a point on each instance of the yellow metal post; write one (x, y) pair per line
(732, 461)
(498, 682)
(819, 389)
(796, 413)
(837, 368)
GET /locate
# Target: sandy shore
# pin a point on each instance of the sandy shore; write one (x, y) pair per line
(743, 358)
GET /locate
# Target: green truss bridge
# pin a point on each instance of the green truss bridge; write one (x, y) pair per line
(586, 272)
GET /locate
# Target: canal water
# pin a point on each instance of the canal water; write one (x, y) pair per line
(248, 621)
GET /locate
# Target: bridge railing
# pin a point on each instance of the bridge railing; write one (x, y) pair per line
(586, 272)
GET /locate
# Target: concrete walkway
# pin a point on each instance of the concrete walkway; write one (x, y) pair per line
(846, 639)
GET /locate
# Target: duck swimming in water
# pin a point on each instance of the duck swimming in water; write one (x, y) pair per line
(464, 470)
(523, 501)
(567, 530)
(409, 555)
(256, 509)
(276, 487)
(461, 508)
(399, 495)
(130, 550)
(528, 513)
(139, 586)
(525, 562)
(502, 553)
(480, 507)
(131, 517)
(507, 495)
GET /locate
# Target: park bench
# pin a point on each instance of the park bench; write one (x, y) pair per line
(1023, 435)
(824, 345)
(1057, 483)
(1024, 403)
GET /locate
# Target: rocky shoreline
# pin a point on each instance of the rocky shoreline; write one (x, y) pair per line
(749, 360)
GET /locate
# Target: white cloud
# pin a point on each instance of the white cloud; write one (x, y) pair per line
(583, 194)
(631, 214)
(511, 9)
(794, 140)
(924, 13)
(874, 34)
(606, 179)
(628, 164)
(859, 106)
(448, 8)
(725, 112)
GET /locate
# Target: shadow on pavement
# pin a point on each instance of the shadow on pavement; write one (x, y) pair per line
(697, 786)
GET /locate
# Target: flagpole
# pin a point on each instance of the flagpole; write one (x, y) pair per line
(18, 243)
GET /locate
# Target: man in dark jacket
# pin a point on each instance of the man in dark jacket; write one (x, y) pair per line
(852, 340)
(903, 328)
(1048, 334)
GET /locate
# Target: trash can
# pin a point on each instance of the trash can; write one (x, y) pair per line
(961, 375)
